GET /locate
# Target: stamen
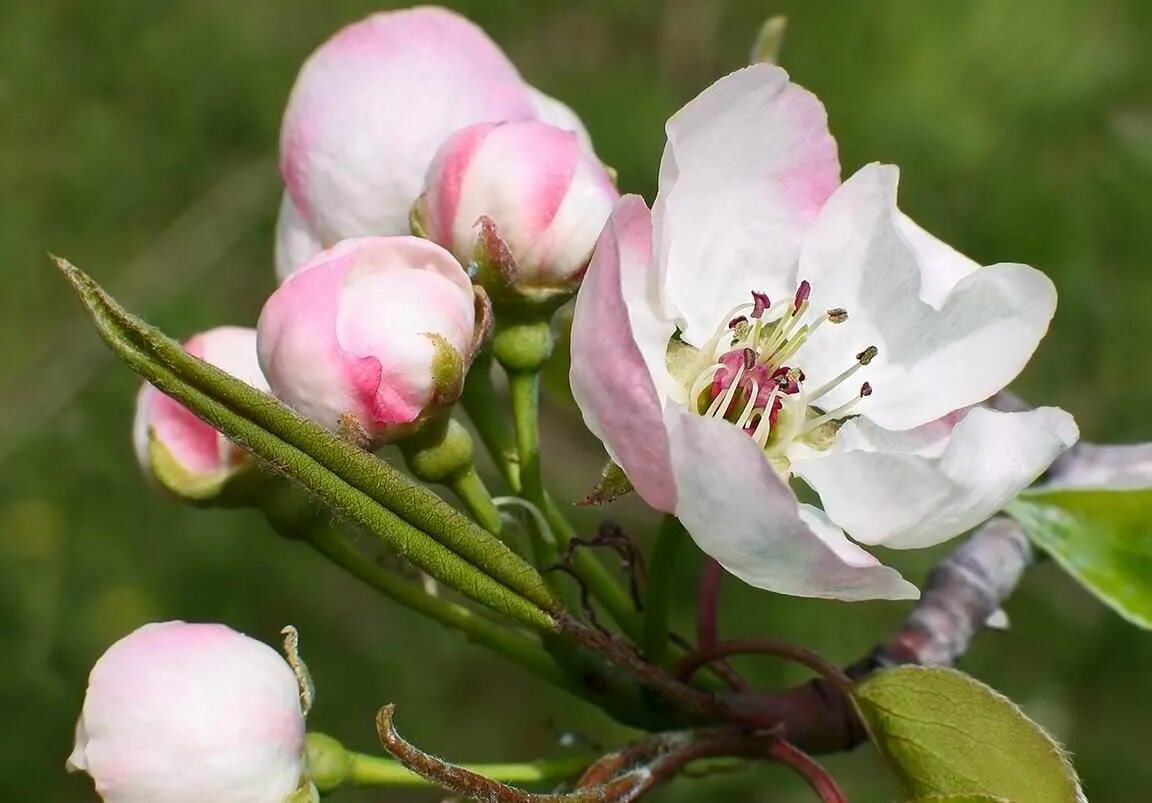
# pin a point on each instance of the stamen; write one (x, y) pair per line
(839, 412)
(802, 294)
(702, 382)
(760, 304)
(764, 425)
(862, 359)
(750, 407)
(722, 401)
(837, 315)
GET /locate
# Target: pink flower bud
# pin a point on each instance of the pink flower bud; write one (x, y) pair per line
(368, 110)
(175, 446)
(186, 713)
(524, 200)
(372, 337)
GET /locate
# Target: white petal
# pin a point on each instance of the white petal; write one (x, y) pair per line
(932, 358)
(296, 241)
(888, 489)
(747, 167)
(739, 511)
(554, 112)
(941, 265)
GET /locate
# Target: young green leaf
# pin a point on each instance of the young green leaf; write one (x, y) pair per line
(945, 733)
(962, 799)
(1101, 537)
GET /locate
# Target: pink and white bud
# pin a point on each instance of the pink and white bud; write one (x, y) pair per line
(186, 713)
(525, 201)
(367, 112)
(373, 337)
(173, 446)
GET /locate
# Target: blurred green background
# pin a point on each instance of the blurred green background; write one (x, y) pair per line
(137, 138)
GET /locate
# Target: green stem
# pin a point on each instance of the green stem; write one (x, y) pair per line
(365, 770)
(474, 494)
(670, 538)
(294, 516)
(524, 389)
(484, 406)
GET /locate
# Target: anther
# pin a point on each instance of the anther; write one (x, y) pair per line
(735, 322)
(865, 390)
(802, 293)
(837, 315)
(749, 358)
(760, 304)
(867, 355)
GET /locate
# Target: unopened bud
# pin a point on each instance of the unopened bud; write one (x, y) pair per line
(524, 201)
(191, 712)
(373, 337)
(178, 450)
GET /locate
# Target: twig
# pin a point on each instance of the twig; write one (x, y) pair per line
(807, 768)
(762, 646)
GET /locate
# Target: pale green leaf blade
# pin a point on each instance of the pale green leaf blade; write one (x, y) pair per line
(945, 733)
(962, 799)
(1103, 538)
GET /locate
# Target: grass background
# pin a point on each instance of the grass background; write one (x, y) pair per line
(138, 139)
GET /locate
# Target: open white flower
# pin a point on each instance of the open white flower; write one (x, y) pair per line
(766, 322)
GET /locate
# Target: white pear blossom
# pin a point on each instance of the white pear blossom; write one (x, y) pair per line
(765, 323)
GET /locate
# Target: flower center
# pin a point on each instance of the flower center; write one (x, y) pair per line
(747, 374)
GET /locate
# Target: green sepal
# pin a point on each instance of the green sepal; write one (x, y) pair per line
(613, 484)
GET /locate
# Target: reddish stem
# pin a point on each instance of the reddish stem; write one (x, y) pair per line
(779, 649)
(807, 768)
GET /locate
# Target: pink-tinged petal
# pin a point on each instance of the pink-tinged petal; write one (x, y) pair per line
(298, 347)
(742, 514)
(194, 444)
(610, 379)
(355, 333)
(913, 489)
(373, 103)
(748, 165)
(296, 240)
(932, 359)
(546, 196)
(191, 712)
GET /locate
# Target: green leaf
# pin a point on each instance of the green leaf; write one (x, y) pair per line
(1101, 537)
(962, 799)
(352, 482)
(945, 733)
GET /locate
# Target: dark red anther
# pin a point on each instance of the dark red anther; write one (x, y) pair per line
(787, 379)
(760, 304)
(865, 390)
(749, 358)
(732, 324)
(802, 293)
